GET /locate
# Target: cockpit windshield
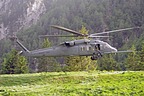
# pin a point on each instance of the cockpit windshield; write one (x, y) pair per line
(106, 47)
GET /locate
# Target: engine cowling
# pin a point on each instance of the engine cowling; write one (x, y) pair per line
(69, 44)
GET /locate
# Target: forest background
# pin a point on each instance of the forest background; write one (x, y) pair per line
(89, 16)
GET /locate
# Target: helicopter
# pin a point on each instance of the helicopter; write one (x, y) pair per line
(82, 47)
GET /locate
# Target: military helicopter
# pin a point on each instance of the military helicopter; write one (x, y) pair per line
(82, 47)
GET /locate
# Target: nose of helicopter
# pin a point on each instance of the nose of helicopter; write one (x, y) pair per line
(114, 49)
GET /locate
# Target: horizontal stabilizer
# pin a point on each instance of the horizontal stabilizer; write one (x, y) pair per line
(128, 51)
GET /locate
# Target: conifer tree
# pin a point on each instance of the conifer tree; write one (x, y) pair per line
(133, 61)
(108, 63)
(141, 54)
(13, 63)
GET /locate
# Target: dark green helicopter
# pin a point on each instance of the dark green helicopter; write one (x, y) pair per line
(82, 47)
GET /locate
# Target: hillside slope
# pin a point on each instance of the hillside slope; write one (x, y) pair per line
(18, 14)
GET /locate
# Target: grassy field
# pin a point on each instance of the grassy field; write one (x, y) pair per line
(73, 84)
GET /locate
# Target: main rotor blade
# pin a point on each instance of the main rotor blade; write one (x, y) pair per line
(98, 36)
(58, 36)
(68, 30)
(114, 31)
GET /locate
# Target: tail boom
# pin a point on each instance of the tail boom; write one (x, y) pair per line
(24, 48)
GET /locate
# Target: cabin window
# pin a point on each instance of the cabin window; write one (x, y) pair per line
(83, 48)
(86, 48)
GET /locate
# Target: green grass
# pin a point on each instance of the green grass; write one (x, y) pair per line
(73, 84)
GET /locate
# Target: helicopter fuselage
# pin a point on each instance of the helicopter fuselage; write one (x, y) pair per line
(82, 47)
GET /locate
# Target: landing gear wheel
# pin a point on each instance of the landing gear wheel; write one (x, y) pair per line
(93, 58)
(96, 56)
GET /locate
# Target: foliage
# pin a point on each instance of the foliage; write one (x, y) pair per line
(133, 61)
(78, 63)
(46, 43)
(107, 62)
(13, 63)
(73, 84)
(141, 54)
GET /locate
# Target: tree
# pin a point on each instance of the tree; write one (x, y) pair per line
(133, 61)
(13, 63)
(80, 63)
(141, 54)
(47, 63)
(108, 63)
